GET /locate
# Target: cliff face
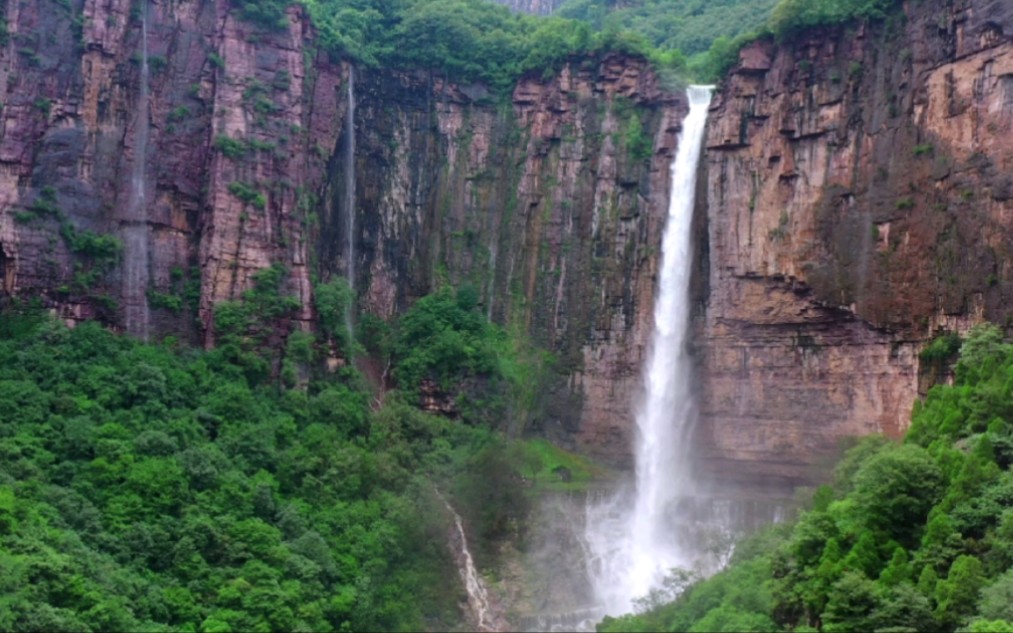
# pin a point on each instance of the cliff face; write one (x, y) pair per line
(547, 204)
(854, 201)
(859, 196)
(234, 114)
(544, 201)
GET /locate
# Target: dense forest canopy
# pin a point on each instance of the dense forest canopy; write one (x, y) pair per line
(477, 40)
(155, 488)
(911, 536)
(690, 26)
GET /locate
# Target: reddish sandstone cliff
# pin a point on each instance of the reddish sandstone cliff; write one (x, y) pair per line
(542, 200)
(541, 203)
(856, 184)
(859, 198)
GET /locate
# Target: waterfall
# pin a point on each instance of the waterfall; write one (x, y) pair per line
(350, 194)
(634, 548)
(135, 227)
(478, 596)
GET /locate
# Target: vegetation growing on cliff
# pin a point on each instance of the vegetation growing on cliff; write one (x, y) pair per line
(911, 536)
(478, 40)
(149, 487)
(690, 26)
(791, 18)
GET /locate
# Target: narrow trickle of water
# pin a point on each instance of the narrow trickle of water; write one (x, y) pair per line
(135, 227)
(478, 596)
(634, 546)
(350, 193)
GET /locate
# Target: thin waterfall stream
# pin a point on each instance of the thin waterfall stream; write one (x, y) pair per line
(478, 595)
(350, 194)
(136, 263)
(634, 546)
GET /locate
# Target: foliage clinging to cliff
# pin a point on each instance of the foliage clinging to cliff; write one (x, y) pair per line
(469, 40)
(792, 17)
(478, 40)
(913, 536)
(690, 26)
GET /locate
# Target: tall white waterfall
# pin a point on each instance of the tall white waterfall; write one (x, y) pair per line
(135, 228)
(634, 548)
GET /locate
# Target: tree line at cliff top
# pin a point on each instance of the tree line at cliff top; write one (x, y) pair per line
(476, 40)
(914, 535)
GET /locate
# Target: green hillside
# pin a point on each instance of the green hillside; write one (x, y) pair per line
(912, 536)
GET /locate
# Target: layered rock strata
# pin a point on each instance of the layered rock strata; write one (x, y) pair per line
(550, 205)
(858, 202)
(549, 200)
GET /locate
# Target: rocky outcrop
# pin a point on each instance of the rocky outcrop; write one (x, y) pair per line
(854, 202)
(858, 203)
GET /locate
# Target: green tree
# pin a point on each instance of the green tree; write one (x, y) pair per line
(957, 595)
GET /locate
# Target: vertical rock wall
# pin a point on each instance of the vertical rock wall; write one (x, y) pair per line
(548, 201)
(858, 203)
(242, 121)
(545, 202)
(857, 189)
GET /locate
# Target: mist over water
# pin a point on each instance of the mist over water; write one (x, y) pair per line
(637, 536)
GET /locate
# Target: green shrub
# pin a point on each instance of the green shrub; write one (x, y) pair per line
(248, 194)
(905, 203)
(267, 14)
(943, 347)
(230, 147)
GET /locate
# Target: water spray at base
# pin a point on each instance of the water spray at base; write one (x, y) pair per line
(636, 537)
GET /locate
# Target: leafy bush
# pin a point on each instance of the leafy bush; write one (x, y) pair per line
(230, 147)
(248, 194)
(332, 301)
(443, 338)
(941, 348)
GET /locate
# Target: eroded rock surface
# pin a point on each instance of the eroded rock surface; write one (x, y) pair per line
(543, 200)
(858, 203)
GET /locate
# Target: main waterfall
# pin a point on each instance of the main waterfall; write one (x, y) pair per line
(633, 548)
